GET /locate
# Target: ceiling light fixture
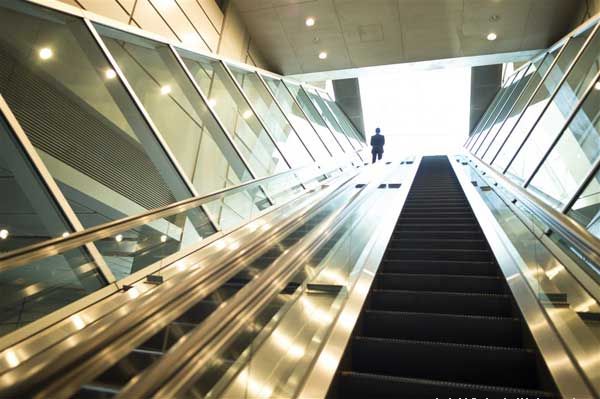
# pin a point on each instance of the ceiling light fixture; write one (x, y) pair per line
(247, 114)
(492, 36)
(3, 234)
(166, 89)
(163, 238)
(119, 238)
(110, 73)
(597, 86)
(310, 21)
(46, 53)
(322, 55)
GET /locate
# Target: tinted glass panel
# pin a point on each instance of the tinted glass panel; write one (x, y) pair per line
(586, 209)
(503, 96)
(514, 90)
(184, 120)
(234, 112)
(573, 156)
(559, 109)
(92, 138)
(331, 121)
(297, 119)
(536, 71)
(275, 121)
(30, 215)
(315, 118)
(540, 100)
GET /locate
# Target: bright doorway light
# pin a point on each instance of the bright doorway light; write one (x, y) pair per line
(492, 36)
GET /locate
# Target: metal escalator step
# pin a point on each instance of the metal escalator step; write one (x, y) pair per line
(365, 385)
(417, 219)
(476, 364)
(438, 254)
(439, 234)
(444, 243)
(486, 268)
(437, 327)
(441, 282)
(441, 302)
(406, 226)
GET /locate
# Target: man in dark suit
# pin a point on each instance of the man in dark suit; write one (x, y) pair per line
(377, 142)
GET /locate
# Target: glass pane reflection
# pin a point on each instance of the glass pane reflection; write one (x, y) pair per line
(540, 100)
(297, 119)
(92, 138)
(275, 121)
(555, 116)
(234, 112)
(177, 110)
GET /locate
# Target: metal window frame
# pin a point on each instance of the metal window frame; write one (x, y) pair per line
(564, 128)
(353, 131)
(18, 133)
(497, 124)
(280, 108)
(283, 82)
(530, 101)
(327, 124)
(582, 187)
(484, 119)
(568, 71)
(507, 91)
(512, 108)
(216, 117)
(337, 122)
(146, 116)
(251, 106)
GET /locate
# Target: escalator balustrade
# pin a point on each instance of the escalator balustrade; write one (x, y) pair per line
(440, 320)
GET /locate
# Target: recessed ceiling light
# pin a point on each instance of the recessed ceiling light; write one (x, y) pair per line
(46, 53)
(492, 36)
(110, 73)
(119, 238)
(247, 114)
(3, 234)
(163, 238)
(597, 86)
(322, 55)
(166, 89)
(310, 21)
(65, 234)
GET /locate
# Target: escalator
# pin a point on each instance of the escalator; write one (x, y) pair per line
(440, 320)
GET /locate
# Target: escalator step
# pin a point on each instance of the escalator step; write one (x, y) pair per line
(438, 243)
(437, 220)
(364, 385)
(441, 302)
(486, 268)
(435, 227)
(441, 282)
(439, 361)
(429, 235)
(438, 254)
(460, 329)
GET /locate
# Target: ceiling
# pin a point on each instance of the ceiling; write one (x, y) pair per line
(365, 33)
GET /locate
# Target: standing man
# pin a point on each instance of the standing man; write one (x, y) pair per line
(377, 142)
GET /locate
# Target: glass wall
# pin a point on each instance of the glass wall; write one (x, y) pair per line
(558, 110)
(315, 118)
(547, 136)
(536, 72)
(513, 92)
(540, 100)
(296, 117)
(272, 116)
(76, 112)
(491, 117)
(176, 108)
(346, 125)
(248, 134)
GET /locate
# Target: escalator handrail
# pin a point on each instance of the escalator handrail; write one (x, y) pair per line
(164, 379)
(74, 240)
(575, 234)
(26, 374)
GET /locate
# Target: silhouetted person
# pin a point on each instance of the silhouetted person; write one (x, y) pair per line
(377, 143)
